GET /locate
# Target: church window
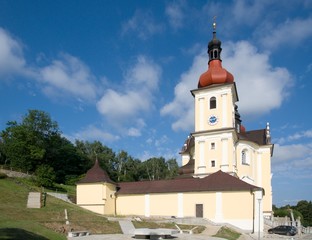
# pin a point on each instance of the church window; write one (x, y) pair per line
(212, 146)
(213, 163)
(213, 103)
(245, 159)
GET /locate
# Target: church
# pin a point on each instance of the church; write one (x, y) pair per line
(225, 175)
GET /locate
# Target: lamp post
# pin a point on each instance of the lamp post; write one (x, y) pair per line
(259, 201)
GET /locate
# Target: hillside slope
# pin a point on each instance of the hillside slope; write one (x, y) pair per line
(19, 222)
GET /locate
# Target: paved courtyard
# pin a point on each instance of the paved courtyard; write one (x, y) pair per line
(128, 229)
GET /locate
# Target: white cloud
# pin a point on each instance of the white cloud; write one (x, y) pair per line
(142, 24)
(291, 152)
(68, 75)
(261, 87)
(135, 97)
(11, 55)
(174, 12)
(92, 133)
(134, 132)
(182, 106)
(248, 12)
(293, 160)
(292, 32)
(297, 136)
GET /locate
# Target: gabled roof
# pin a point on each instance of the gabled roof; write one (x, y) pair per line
(218, 181)
(96, 175)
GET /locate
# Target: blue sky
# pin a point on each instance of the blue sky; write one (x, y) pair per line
(121, 72)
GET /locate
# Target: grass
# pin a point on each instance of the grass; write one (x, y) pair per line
(47, 222)
(19, 222)
(153, 225)
(227, 233)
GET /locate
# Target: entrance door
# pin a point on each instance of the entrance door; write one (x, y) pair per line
(199, 210)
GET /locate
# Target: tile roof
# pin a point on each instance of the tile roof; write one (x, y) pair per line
(257, 136)
(187, 169)
(95, 175)
(218, 181)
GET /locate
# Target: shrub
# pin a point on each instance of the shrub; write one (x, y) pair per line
(45, 176)
(3, 175)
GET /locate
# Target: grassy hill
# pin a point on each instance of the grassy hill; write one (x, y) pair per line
(19, 222)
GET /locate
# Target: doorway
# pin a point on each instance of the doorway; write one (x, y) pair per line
(199, 210)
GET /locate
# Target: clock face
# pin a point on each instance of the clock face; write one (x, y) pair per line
(212, 120)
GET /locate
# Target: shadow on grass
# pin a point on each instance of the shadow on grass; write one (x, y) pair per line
(17, 233)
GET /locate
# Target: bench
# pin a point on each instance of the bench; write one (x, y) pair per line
(186, 231)
(159, 233)
(78, 233)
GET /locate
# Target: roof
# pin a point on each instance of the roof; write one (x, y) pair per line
(257, 136)
(95, 175)
(187, 170)
(188, 144)
(218, 181)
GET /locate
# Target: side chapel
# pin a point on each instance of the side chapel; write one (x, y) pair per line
(226, 170)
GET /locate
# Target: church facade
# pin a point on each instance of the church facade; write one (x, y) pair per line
(226, 170)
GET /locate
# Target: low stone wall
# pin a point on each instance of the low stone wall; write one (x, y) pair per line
(15, 174)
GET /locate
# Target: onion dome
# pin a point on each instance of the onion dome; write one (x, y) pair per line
(215, 74)
(242, 129)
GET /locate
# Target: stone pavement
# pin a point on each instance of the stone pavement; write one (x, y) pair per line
(130, 237)
(128, 230)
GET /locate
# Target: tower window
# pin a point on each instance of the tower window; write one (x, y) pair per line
(212, 146)
(213, 103)
(213, 163)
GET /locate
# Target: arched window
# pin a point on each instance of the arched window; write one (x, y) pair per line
(215, 54)
(213, 103)
(245, 158)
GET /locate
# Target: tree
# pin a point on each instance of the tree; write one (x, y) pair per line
(172, 168)
(305, 208)
(155, 168)
(24, 145)
(93, 150)
(45, 176)
(65, 159)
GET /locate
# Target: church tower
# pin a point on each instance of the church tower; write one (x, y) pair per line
(216, 121)
(219, 140)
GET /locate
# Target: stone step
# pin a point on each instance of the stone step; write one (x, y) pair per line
(126, 226)
(34, 200)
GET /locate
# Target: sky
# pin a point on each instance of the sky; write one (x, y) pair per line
(121, 72)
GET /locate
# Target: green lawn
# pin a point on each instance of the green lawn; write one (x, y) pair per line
(47, 222)
(152, 224)
(227, 233)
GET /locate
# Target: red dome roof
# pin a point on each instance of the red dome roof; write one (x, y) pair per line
(242, 129)
(215, 74)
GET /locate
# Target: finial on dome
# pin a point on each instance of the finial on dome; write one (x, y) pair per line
(214, 24)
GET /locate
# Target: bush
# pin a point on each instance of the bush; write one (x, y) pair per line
(3, 175)
(45, 176)
(72, 179)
